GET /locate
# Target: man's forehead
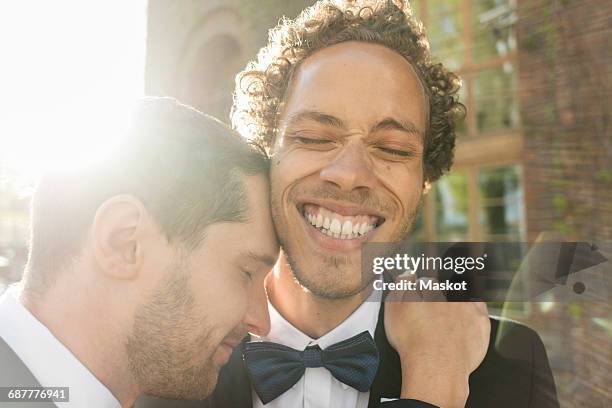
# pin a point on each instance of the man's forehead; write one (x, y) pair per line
(353, 59)
(366, 81)
(355, 52)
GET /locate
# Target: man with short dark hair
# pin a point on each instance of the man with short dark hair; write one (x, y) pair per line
(146, 269)
(360, 120)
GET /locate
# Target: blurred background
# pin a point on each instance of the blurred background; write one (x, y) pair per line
(534, 154)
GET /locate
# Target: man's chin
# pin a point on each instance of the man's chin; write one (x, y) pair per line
(325, 273)
(195, 391)
(339, 286)
(185, 383)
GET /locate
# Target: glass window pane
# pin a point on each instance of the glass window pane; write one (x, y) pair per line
(445, 31)
(495, 98)
(452, 208)
(501, 198)
(493, 22)
(491, 43)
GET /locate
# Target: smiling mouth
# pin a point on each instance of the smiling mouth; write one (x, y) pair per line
(339, 226)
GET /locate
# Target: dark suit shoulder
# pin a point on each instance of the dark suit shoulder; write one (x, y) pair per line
(515, 371)
(12, 370)
(511, 337)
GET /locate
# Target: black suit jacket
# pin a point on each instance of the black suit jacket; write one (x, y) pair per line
(514, 374)
(13, 373)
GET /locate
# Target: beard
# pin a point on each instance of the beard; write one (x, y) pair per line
(167, 341)
(337, 276)
(332, 280)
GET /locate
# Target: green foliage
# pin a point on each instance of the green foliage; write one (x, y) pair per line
(604, 176)
(563, 227)
(575, 310)
(560, 203)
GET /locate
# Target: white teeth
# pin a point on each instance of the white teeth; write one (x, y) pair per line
(319, 221)
(347, 228)
(335, 226)
(363, 228)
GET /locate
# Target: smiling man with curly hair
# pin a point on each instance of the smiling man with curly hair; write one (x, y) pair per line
(359, 120)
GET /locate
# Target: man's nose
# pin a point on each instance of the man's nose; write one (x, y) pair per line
(257, 317)
(350, 169)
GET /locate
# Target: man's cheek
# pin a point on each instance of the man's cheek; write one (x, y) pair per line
(221, 292)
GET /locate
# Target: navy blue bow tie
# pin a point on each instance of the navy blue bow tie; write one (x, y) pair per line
(274, 368)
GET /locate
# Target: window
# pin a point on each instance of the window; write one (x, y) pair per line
(479, 203)
(482, 197)
(494, 33)
(477, 39)
(494, 100)
(446, 35)
(451, 198)
(501, 208)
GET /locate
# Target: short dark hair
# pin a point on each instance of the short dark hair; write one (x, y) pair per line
(185, 167)
(261, 88)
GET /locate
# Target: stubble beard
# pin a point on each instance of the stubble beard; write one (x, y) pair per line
(162, 347)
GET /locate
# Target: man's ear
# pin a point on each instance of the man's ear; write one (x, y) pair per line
(426, 187)
(117, 233)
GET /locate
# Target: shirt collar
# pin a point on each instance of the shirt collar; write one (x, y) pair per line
(51, 363)
(365, 317)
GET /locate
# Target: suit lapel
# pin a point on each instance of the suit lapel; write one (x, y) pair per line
(388, 380)
(12, 369)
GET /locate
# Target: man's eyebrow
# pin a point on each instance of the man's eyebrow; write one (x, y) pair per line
(314, 115)
(261, 258)
(393, 124)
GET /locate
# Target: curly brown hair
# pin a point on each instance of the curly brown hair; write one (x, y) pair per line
(261, 87)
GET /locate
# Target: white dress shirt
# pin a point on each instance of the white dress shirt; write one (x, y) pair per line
(51, 363)
(318, 388)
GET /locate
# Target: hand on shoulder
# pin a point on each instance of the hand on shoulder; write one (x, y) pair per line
(439, 343)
